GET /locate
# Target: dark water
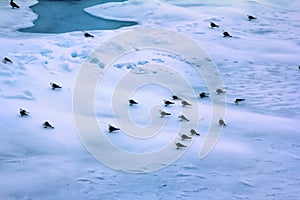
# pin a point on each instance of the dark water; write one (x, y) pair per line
(60, 16)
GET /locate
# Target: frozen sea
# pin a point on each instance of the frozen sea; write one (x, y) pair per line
(68, 16)
(257, 154)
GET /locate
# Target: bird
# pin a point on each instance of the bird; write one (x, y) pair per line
(194, 132)
(299, 67)
(132, 102)
(46, 124)
(220, 91)
(13, 4)
(183, 118)
(185, 137)
(237, 101)
(6, 60)
(222, 122)
(179, 145)
(54, 86)
(213, 25)
(163, 113)
(174, 97)
(226, 34)
(250, 17)
(203, 95)
(23, 112)
(88, 35)
(167, 102)
(185, 103)
(112, 128)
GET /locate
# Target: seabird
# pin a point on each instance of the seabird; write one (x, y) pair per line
(226, 34)
(163, 113)
(23, 112)
(179, 145)
(13, 4)
(112, 128)
(132, 102)
(222, 122)
(167, 103)
(250, 17)
(237, 101)
(185, 103)
(46, 124)
(213, 25)
(54, 86)
(220, 91)
(185, 137)
(6, 60)
(194, 132)
(176, 97)
(203, 95)
(87, 35)
(183, 118)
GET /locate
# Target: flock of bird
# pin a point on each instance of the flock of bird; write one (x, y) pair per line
(25, 113)
(132, 102)
(225, 33)
(181, 117)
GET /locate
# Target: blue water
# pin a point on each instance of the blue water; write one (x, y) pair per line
(61, 16)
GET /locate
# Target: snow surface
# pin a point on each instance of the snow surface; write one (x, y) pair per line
(257, 156)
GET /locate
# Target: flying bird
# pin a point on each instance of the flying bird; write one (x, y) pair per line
(222, 122)
(203, 95)
(185, 103)
(185, 137)
(226, 34)
(88, 35)
(54, 86)
(6, 60)
(213, 25)
(176, 97)
(112, 128)
(132, 102)
(237, 101)
(183, 118)
(13, 4)
(179, 145)
(163, 113)
(194, 132)
(220, 91)
(250, 17)
(46, 124)
(167, 102)
(23, 112)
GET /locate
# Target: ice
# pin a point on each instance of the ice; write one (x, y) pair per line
(257, 155)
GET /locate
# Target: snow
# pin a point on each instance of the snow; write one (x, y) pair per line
(257, 155)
